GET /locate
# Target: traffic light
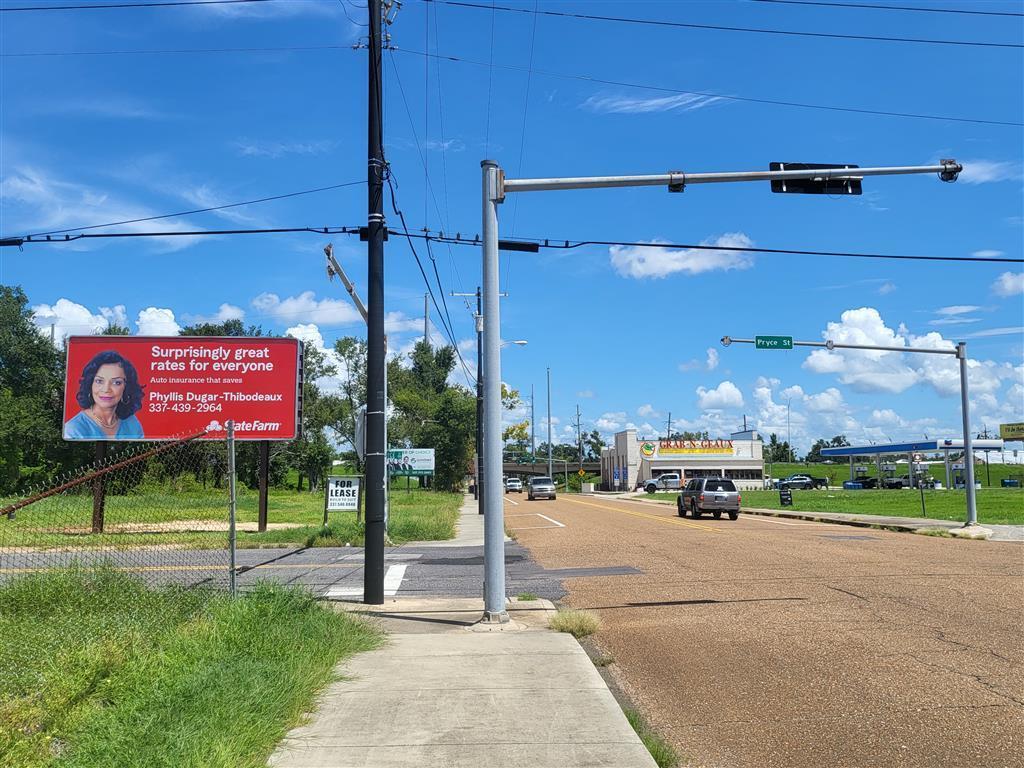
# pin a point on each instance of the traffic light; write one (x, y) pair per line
(815, 186)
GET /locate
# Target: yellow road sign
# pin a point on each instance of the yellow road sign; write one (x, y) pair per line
(581, 473)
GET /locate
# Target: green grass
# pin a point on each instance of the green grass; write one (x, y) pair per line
(98, 670)
(576, 623)
(662, 752)
(840, 471)
(998, 506)
(527, 597)
(421, 515)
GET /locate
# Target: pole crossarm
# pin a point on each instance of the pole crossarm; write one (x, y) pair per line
(727, 340)
(947, 169)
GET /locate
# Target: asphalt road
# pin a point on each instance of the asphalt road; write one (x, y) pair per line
(764, 642)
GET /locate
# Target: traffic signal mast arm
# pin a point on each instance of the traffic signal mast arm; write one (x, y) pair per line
(727, 340)
(948, 170)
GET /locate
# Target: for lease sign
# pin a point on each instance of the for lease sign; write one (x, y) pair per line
(165, 388)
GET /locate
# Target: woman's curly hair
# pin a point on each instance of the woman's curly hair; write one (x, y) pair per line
(133, 395)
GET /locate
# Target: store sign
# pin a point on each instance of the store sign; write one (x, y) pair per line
(1012, 431)
(343, 493)
(168, 387)
(694, 447)
(411, 462)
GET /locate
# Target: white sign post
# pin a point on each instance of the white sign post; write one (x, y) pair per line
(344, 494)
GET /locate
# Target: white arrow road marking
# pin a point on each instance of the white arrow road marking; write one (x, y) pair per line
(392, 581)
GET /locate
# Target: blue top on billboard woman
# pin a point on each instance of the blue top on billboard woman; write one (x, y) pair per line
(110, 394)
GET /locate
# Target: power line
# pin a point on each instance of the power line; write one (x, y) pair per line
(99, 6)
(198, 210)
(426, 281)
(143, 51)
(890, 7)
(546, 243)
(722, 28)
(712, 94)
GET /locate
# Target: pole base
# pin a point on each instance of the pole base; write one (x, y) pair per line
(496, 621)
(971, 532)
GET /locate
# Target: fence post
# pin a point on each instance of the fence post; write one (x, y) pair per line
(231, 506)
(264, 484)
(98, 491)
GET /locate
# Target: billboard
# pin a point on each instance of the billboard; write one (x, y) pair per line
(1011, 431)
(667, 449)
(411, 462)
(167, 387)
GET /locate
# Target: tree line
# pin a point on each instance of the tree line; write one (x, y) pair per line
(427, 410)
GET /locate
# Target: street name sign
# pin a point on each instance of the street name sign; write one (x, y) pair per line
(773, 342)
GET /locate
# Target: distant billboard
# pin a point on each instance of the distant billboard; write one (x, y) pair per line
(411, 462)
(168, 387)
(1012, 431)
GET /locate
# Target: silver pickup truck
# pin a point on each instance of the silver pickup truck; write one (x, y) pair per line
(666, 482)
(709, 494)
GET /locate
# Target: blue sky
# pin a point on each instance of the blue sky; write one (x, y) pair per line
(630, 335)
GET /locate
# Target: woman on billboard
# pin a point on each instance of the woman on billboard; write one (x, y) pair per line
(109, 394)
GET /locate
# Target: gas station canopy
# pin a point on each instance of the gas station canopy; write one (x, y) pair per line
(917, 446)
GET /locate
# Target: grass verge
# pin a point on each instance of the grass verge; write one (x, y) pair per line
(99, 670)
(576, 623)
(996, 506)
(662, 752)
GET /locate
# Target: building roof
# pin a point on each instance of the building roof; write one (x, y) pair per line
(921, 446)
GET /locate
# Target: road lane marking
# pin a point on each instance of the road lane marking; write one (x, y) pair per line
(659, 518)
(560, 525)
(513, 503)
(757, 519)
(392, 581)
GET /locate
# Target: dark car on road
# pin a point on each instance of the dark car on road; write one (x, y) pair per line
(709, 494)
(804, 482)
(540, 488)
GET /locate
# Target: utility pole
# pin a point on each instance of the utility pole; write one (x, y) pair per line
(668, 434)
(426, 319)
(579, 438)
(551, 471)
(373, 572)
(533, 430)
(789, 435)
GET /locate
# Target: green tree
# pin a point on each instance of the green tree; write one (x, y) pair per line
(593, 443)
(311, 454)
(351, 353)
(31, 400)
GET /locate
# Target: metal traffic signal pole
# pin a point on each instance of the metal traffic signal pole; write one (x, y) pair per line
(960, 353)
(495, 187)
(373, 573)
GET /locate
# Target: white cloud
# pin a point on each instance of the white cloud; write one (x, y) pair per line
(69, 319)
(690, 365)
(585, 393)
(831, 400)
(1013, 330)
(656, 261)
(983, 171)
(957, 309)
(156, 321)
(954, 321)
(33, 200)
(793, 391)
(276, 149)
(611, 422)
(886, 288)
(203, 196)
(645, 410)
(725, 395)
(224, 313)
(986, 254)
(684, 102)
(306, 307)
(1009, 284)
(116, 315)
(712, 361)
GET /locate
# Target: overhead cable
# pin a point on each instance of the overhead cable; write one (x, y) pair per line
(723, 28)
(198, 210)
(872, 7)
(104, 6)
(538, 243)
(144, 51)
(715, 95)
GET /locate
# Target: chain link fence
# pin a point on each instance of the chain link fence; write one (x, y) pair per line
(159, 512)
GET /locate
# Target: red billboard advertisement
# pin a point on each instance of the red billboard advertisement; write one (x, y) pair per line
(168, 387)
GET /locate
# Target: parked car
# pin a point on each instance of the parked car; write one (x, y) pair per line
(903, 481)
(540, 488)
(804, 482)
(666, 482)
(709, 494)
(513, 484)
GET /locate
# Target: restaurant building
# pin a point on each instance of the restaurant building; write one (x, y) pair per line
(630, 461)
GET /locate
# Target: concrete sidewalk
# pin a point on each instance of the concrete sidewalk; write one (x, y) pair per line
(444, 691)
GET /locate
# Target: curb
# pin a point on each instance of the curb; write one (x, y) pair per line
(963, 532)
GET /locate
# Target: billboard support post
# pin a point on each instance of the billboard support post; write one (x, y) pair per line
(231, 507)
(264, 468)
(98, 491)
